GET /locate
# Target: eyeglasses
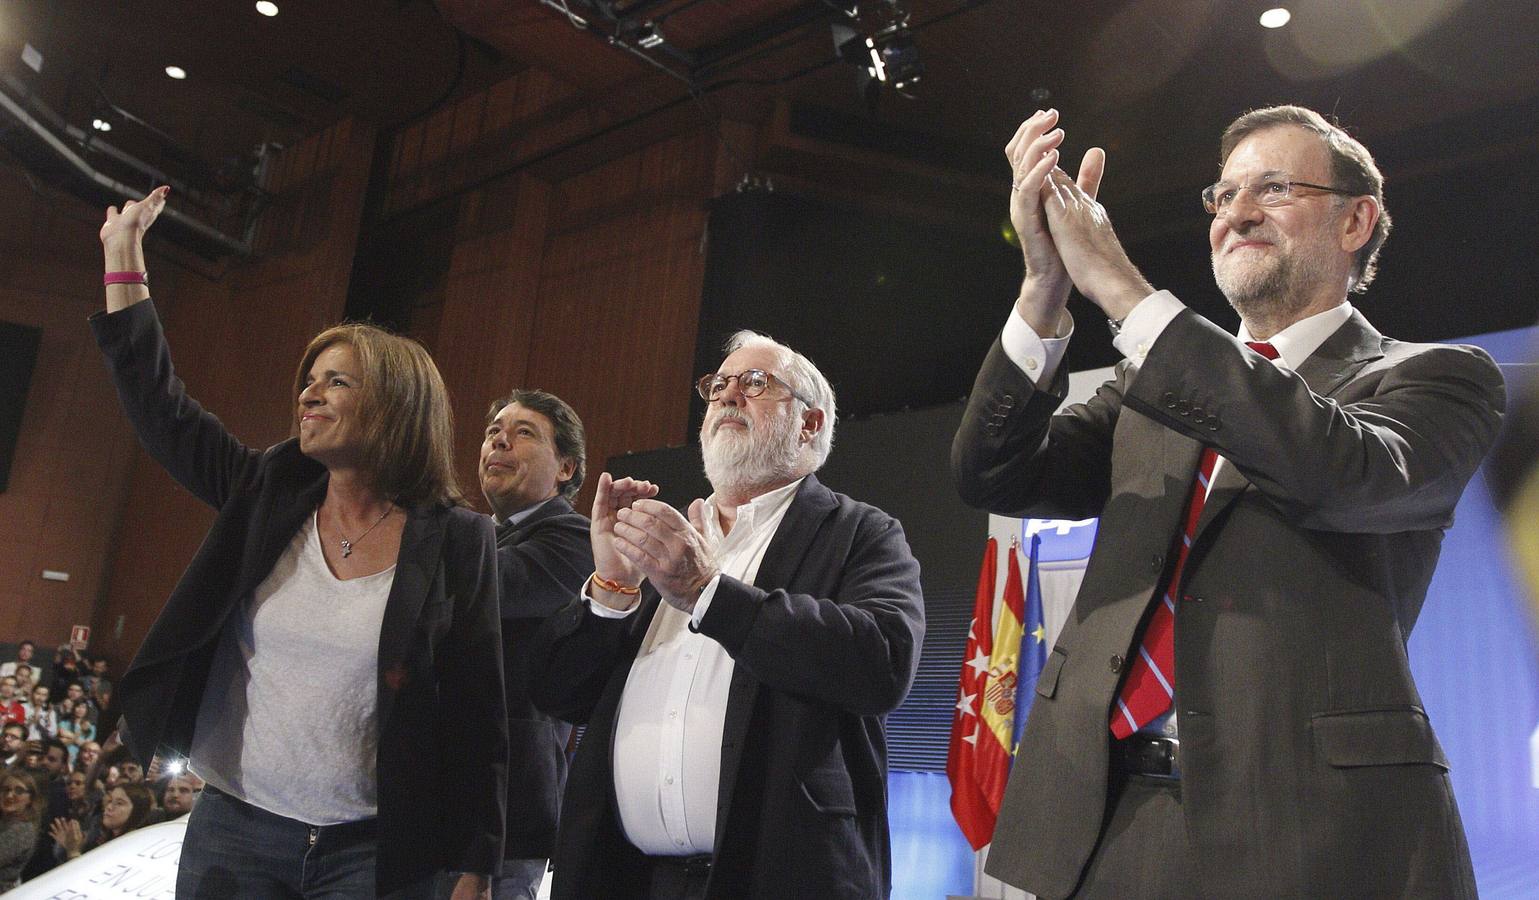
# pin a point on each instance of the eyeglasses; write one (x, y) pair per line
(1269, 191)
(752, 382)
(15, 790)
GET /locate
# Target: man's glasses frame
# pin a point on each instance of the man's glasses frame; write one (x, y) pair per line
(752, 382)
(1270, 191)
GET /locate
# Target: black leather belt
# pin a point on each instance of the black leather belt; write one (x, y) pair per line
(1147, 754)
(689, 865)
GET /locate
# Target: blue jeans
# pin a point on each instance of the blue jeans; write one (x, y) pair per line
(234, 849)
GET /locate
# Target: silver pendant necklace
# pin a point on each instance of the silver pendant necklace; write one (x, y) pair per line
(347, 545)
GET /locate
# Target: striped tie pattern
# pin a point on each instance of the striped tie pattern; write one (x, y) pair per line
(1151, 681)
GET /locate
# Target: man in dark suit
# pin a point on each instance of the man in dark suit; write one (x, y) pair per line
(1228, 710)
(734, 667)
(533, 460)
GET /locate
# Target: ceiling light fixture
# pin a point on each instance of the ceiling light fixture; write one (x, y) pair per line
(267, 8)
(176, 72)
(1276, 17)
(101, 124)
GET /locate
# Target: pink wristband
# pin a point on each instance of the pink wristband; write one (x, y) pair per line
(126, 278)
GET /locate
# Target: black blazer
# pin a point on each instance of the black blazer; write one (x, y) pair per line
(1308, 765)
(542, 563)
(440, 665)
(825, 643)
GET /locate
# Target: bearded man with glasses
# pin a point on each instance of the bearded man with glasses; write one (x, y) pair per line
(734, 664)
(1229, 711)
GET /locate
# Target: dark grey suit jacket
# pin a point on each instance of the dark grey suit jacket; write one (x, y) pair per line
(1308, 765)
(825, 642)
(440, 668)
(542, 563)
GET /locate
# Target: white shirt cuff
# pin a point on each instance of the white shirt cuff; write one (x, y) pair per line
(1144, 325)
(1032, 353)
(704, 602)
(602, 611)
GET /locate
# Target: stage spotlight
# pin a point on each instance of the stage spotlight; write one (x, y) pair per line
(1276, 17)
(267, 8)
(176, 72)
(648, 35)
(899, 59)
(175, 767)
(101, 124)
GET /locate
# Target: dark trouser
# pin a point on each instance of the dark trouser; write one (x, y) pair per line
(520, 880)
(678, 877)
(1142, 851)
(234, 849)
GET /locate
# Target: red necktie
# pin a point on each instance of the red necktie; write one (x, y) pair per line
(1150, 684)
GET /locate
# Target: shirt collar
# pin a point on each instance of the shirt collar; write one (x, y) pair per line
(522, 514)
(760, 509)
(1298, 341)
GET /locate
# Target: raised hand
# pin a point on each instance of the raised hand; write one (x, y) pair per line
(668, 549)
(127, 226)
(67, 834)
(1033, 155)
(1090, 249)
(609, 498)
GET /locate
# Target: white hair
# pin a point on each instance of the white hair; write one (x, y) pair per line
(804, 377)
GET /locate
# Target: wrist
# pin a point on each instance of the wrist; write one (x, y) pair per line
(1041, 306)
(124, 256)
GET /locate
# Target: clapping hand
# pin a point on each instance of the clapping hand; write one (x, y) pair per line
(1033, 156)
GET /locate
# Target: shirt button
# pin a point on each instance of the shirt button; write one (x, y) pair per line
(1031, 365)
(1141, 350)
(1115, 663)
(667, 779)
(678, 842)
(673, 714)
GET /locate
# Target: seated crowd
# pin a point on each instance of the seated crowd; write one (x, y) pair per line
(65, 787)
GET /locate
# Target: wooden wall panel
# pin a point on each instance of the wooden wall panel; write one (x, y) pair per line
(73, 453)
(588, 288)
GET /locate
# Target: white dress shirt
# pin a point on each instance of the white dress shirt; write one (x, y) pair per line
(667, 744)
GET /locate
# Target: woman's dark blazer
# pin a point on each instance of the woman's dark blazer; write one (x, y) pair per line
(442, 763)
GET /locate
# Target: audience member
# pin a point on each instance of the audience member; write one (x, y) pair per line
(52, 785)
(42, 722)
(66, 669)
(24, 652)
(11, 707)
(13, 744)
(125, 808)
(26, 680)
(77, 730)
(90, 753)
(21, 808)
(81, 800)
(180, 795)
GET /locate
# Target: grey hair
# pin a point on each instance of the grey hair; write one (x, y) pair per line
(802, 375)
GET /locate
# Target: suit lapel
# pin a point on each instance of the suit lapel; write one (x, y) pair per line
(782, 561)
(421, 549)
(1347, 350)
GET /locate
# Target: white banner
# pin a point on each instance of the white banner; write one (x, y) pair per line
(140, 865)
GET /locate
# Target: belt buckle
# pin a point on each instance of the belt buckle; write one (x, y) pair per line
(1154, 756)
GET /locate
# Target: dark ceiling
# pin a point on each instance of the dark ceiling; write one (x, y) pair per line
(1431, 85)
(1151, 80)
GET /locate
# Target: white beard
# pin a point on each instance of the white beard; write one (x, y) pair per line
(735, 460)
